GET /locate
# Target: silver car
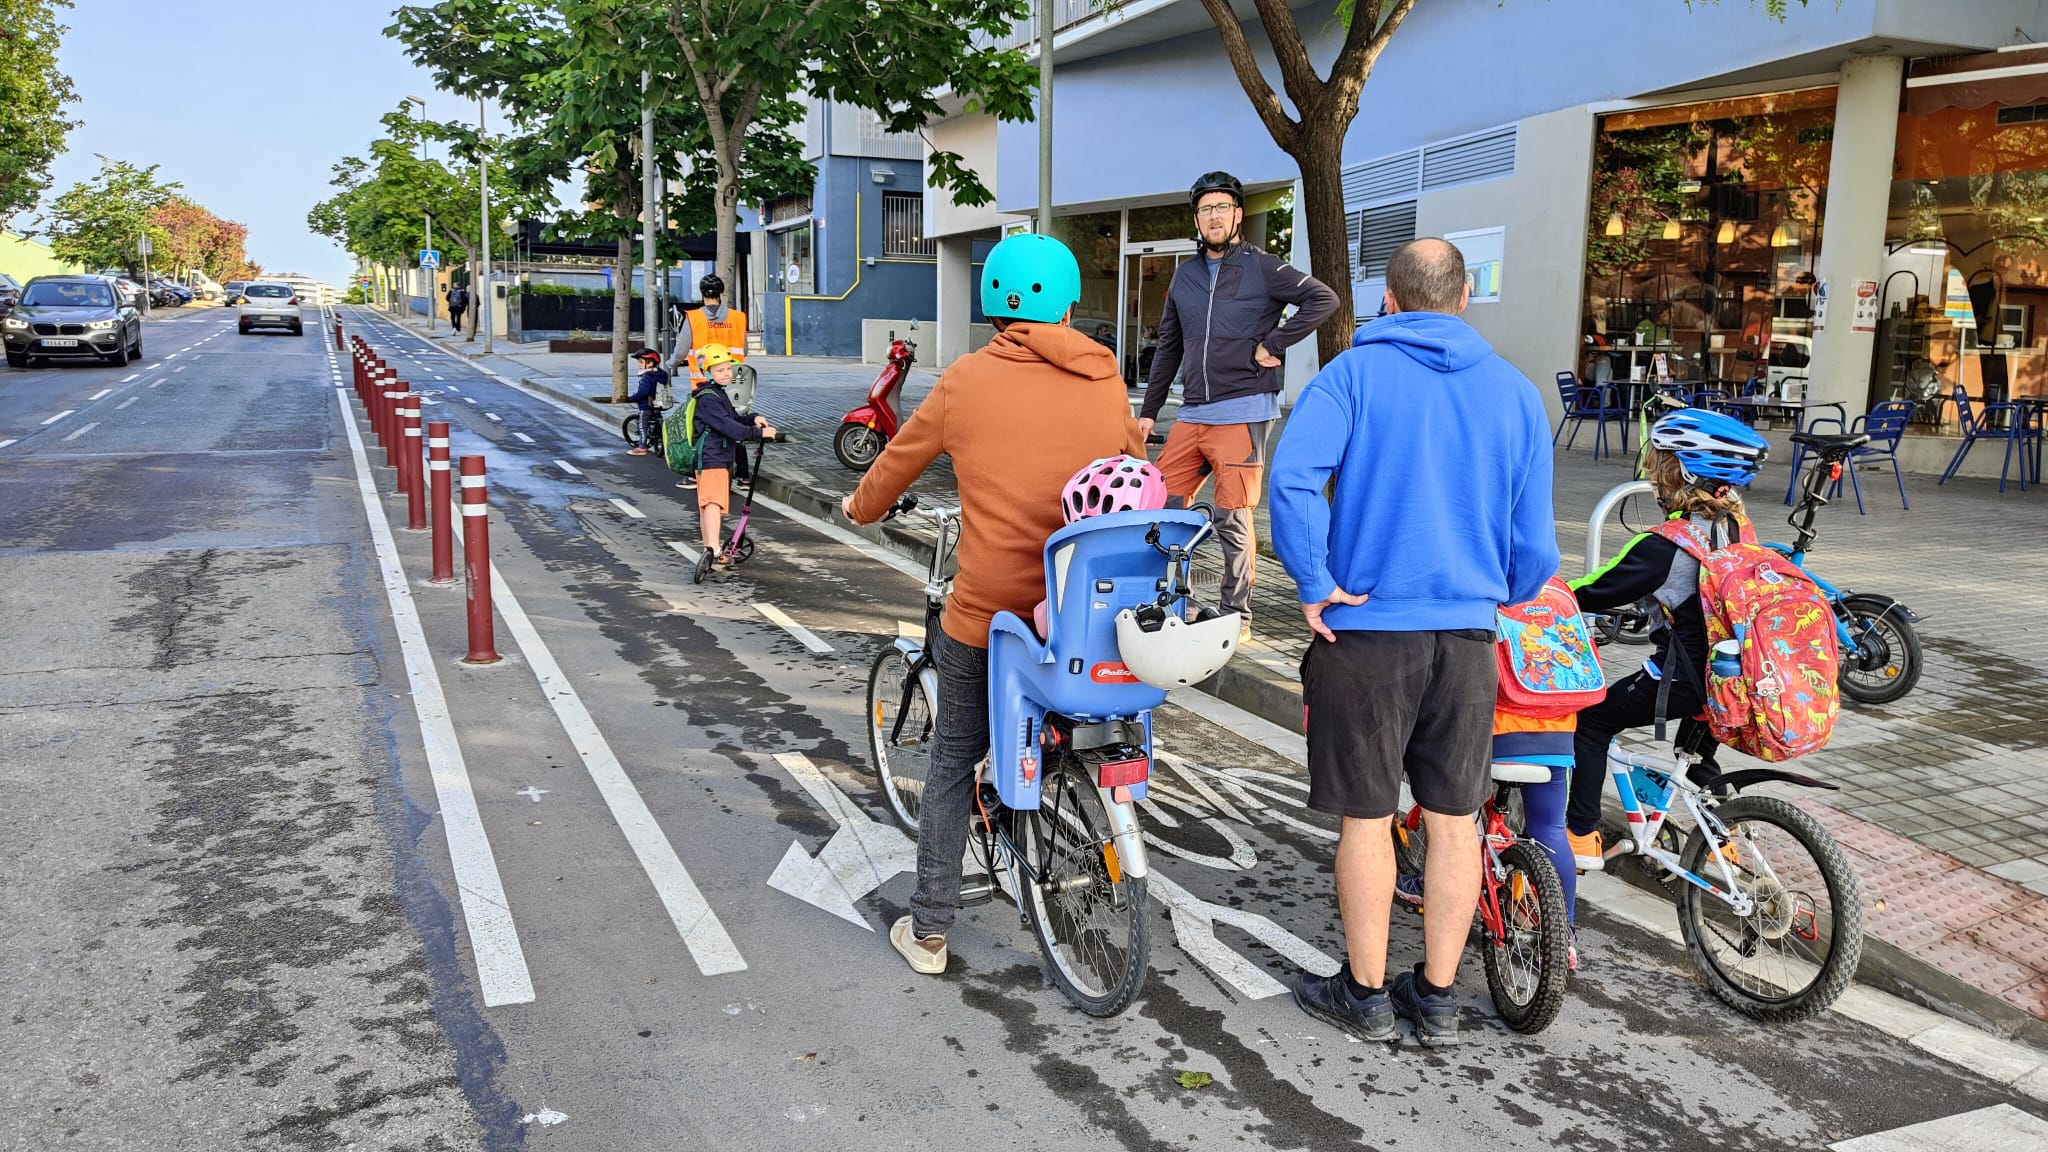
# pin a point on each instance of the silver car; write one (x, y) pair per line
(266, 304)
(71, 317)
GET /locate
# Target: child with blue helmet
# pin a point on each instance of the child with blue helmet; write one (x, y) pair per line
(1699, 462)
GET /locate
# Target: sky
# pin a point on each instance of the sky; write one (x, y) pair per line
(247, 105)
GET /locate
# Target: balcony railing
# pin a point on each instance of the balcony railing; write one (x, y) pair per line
(1065, 14)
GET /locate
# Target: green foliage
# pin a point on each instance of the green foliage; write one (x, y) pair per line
(1775, 9)
(96, 223)
(1192, 1079)
(355, 294)
(33, 93)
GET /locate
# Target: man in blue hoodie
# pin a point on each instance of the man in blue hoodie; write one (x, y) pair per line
(1440, 452)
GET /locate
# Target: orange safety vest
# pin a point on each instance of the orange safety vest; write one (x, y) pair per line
(732, 333)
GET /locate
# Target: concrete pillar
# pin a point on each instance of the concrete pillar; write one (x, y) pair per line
(1852, 246)
(956, 297)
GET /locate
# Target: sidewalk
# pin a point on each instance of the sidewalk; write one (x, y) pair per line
(1943, 801)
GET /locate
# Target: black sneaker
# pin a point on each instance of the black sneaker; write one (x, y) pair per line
(1327, 999)
(1435, 1017)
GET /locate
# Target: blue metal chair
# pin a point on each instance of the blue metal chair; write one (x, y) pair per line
(1886, 426)
(1599, 403)
(2019, 434)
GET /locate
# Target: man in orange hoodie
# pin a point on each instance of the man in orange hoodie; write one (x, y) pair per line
(1019, 418)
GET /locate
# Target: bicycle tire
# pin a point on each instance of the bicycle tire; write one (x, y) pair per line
(1547, 942)
(900, 771)
(1845, 927)
(1411, 845)
(1901, 642)
(1069, 860)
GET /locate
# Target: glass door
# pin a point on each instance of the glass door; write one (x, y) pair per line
(1147, 274)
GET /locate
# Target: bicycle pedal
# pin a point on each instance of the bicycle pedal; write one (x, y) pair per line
(973, 895)
(1622, 847)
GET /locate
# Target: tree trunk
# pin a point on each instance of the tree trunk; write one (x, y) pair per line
(1322, 208)
(622, 313)
(729, 225)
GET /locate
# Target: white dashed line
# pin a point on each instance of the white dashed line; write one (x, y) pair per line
(622, 506)
(804, 636)
(154, 383)
(493, 418)
(101, 394)
(58, 416)
(178, 369)
(125, 403)
(82, 430)
(469, 399)
(571, 469)
(130, 376)
(453, 388)
(523, 437)
(5, 443)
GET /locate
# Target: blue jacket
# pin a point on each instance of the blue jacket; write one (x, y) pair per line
(650, 382)
(723, 428)
(1442, 510)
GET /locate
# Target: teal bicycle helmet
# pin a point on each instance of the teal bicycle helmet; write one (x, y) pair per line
(1029, 277)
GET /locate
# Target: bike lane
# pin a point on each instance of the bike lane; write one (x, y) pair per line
(750, 751)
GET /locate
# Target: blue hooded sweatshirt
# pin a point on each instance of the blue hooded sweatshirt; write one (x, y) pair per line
(1442, 510)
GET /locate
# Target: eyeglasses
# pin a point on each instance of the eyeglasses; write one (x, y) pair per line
(1215, 210)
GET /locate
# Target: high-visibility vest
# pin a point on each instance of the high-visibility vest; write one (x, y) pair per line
(732, 333)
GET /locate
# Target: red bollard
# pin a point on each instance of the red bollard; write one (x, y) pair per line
(380, 396)
(395, 394)
(476, 558)
(441, 502)
(410, 471)
(356, 369)
(339, 345)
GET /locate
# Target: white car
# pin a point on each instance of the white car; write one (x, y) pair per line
(266, 304)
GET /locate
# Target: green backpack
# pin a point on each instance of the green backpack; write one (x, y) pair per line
(681, 438)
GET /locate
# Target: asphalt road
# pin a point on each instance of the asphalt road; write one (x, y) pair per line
(285, 873)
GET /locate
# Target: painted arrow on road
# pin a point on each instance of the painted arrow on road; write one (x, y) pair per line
(1194, 930)
(862, 855)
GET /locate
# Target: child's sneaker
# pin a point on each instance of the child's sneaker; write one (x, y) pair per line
(636, 451)
(688, 481)
(1408, 890)
(1586, 851)
(1571, 951)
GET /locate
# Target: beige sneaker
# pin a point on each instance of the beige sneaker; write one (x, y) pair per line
(927, 955)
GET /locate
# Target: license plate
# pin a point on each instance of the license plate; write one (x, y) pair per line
(49, 342)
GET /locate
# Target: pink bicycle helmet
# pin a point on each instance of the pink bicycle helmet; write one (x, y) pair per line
(1114, 484)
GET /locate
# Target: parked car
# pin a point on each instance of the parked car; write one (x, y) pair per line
(71, 317)
(165, 293)
(231, 292)
(268, 305)
(10, 293)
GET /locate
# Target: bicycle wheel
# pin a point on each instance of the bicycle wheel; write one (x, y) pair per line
(902, 759)
(1526, 969)
(630, 429)
(1411, 845)
(1088, 915)
(1888, 663)
(1799, 946)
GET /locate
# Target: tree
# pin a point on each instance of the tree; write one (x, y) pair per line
(1323, 110)
(194, 238)
(96, 223)
(741, 55)
(33, 93)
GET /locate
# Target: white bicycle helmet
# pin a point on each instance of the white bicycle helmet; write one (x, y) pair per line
(1167, 652)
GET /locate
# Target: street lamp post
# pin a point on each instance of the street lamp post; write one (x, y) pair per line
(483, 183)
(1045, 32)
(429, 217)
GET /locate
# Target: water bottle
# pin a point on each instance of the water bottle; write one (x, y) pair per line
(1728, 658)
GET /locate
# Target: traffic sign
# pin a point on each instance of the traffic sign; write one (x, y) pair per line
(430, 258)
(142, 245)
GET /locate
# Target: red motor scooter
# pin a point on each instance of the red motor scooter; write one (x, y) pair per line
(868, 429)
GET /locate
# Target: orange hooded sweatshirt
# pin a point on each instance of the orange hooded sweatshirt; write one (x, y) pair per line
(1019, 418)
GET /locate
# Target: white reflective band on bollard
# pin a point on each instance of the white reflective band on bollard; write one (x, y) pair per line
(472, 481)
(475, 509)
(412, 431)
(437, 465)
(437, 441)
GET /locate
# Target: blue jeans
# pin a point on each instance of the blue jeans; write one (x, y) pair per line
(959, 741)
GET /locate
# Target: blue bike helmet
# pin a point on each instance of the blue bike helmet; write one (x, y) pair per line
(1029, 277)
(1711, 446)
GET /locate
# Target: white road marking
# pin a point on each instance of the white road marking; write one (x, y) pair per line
(453, 388)
(154, 383)
(172, 356)
(862, 855)
(493, 418)
(99, 394)
(532, 793)
(493, 938)
(58, 416)
(82, 430)
(858, 543)
(469, 399)
(803, 635)
(5, 443)
(1999, 1128)
(571, 469)
(523, 437)
(702, 932)
(130, 376)
(689, 552)
(178, 369)
(1194, 930)
(628, 509)
(125, 403)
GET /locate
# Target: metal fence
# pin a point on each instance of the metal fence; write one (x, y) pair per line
(903, 227)
(1065, 13)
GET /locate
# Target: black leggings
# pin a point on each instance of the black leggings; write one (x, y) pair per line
(1632, 703)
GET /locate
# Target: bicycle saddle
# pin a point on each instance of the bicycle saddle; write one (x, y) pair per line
(1826, 442)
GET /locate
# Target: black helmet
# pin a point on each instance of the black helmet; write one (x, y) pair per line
(711, 285)
(1216, 182)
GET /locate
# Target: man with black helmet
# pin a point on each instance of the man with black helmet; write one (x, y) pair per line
(1222, 332)
(714, 323)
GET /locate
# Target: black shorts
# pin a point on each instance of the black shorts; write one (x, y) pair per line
(1381, 703)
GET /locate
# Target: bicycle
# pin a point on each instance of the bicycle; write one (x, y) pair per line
(1774, 865)
(630, 429)
(1527, 933)
(1056, 827)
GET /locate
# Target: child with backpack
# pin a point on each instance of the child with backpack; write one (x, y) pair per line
(1740, 632)
(720, 431)
(648, 396)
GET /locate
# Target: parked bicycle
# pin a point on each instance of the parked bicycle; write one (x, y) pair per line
(1055, 823)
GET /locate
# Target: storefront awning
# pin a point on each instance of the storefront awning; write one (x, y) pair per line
(2008, 79)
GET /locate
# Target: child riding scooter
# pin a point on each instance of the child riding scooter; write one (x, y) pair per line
(723, 431)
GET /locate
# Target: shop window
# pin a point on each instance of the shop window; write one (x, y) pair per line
(903, 227)
(1704, 229)
(798, 269)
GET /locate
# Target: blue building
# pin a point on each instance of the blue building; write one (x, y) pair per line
(850, 262)
(1640, 186)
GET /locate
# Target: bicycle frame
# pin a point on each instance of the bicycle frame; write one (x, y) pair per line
(1646, 786)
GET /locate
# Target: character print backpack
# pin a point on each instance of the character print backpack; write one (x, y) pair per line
(1548, 665)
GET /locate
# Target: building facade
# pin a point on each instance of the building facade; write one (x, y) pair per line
(837, 269)
(1849, 206)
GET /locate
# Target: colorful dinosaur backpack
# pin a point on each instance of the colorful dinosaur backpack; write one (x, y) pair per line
(1548, 665)
(1783, 702)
